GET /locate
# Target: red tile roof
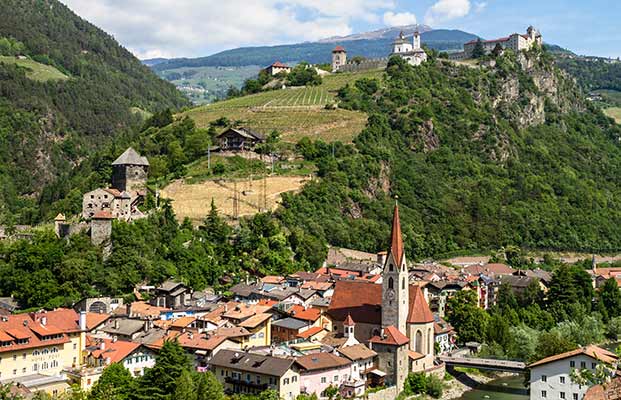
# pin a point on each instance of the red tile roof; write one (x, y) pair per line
(103, 215)
(338, 48)
(308, 314)
(349, 321)
(278, 64)
(34, 326)
(364, 302)
(318, 361)
(415, 355)
(391, 337)
(592, 351)
(310, 332)
(273, 279)
(191, 340)
(115, 351)
(93, 320)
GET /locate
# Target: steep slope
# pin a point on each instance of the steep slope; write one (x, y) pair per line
(479, 157)
(48, 125)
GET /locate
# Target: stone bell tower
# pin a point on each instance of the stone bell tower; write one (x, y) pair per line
(395, 281)
(339, 58)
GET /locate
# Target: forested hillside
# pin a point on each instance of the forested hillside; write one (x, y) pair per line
(48, 125)
(480, 158)
(593, 74)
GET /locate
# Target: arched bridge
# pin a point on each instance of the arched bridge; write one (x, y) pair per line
(483, 363)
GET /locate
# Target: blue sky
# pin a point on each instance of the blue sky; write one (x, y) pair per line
(194, 28)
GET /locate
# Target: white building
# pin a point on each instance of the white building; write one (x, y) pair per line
(550, 378)
(411, 52)
(516, 42)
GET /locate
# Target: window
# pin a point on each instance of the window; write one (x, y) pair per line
(562, 379)
(544, 394)
(75, 346)
(336, 378)
(593, 365)
(24, 356)
(575, 396)
(323, 379)
(23, 370)
(582, 364)
(14, 372)
(544, 378)
(572, 364)
(562, 395)
(221, 372)
(285, 381)
(35, 367)
(403, 283)
(14, 357)
(294, 379)
(390, 267)
(391, 283)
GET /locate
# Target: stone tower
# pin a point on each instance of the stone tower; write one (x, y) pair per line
(339, 58)
(395, 281)
(130, 172)
(416, 40)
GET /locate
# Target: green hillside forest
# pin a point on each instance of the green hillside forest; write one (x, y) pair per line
(66, 89)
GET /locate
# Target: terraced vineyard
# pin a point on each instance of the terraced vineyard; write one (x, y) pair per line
(295, 112)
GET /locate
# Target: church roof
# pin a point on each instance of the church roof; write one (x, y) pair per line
(392, 336)
(338, 49)
(131, 157)
(396, 240)
(349, 321)
(363, 302)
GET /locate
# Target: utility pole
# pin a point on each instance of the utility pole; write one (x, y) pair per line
(209, 157)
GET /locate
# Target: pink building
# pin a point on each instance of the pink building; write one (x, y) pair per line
(321, 370)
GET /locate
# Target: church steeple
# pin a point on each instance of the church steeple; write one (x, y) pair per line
(396, 241)
(395, 280)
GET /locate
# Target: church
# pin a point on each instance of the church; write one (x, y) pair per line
(410, 52)
(393, 318)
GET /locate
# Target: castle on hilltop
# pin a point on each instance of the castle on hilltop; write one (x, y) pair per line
(515, 42)
(412, 52)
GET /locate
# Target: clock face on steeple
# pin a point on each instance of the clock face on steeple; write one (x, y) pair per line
(390, 294)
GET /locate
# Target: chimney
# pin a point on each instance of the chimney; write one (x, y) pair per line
(44, 320)
(102, 345)
(114, 339)
(82, 321)
(381, 258)
(116, 324)
(129, 309)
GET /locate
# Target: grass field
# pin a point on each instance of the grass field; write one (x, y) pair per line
(295, 112)
(35, 71)
(614, 112)
(193, 200)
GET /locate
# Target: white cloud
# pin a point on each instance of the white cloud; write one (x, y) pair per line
(399, 19)
(445, 10)
(193, 28)
(478, 7)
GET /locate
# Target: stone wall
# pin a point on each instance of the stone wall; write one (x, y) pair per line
(377, 63)
(386, 394)
(101, 230)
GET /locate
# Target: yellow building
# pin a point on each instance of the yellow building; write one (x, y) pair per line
(36, 347)
(260, 328)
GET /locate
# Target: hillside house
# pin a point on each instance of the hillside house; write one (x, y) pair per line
(239, 139)
(276, 68)
(318, 371)
(171, 294)
(550, 378)
(251, 373)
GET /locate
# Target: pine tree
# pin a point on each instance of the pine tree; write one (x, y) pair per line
(208, 387)
(479, 50)
(186, 387)
(116, 383)
(160, 382)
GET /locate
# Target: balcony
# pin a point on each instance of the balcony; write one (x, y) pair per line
(241, 382)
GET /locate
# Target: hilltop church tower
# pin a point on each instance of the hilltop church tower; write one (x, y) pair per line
(395, 281)
(339, 58)
(416, 41)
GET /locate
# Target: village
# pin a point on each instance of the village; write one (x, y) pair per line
(358, 325)
(360, 321)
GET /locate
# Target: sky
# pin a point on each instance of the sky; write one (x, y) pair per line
(196, 28)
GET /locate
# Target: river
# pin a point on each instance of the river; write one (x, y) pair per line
(506, 388)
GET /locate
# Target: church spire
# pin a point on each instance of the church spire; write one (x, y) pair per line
(396, 241)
